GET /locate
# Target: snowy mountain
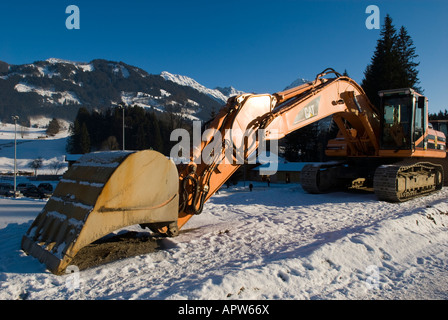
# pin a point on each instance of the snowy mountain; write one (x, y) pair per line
(219, 94)
(296, 83)
(57, 88)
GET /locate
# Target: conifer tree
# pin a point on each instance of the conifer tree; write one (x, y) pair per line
(53, 127)
(77, 143)
(74, 139)
(407, 55)
(141, 140)
(157, 141)
(381, 73)
(84, 139)
(392, 65)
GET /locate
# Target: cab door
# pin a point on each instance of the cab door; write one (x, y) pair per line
(420, 124)
(397, 122)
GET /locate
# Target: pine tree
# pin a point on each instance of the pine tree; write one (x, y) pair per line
(53, 127)
(392, 65)
(73, 140)
(157, 142)
(77, 143)
(382, 72)
(141, 140)
(406, 52)
(84, 140)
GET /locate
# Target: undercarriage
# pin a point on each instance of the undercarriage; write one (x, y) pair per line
(394, 181)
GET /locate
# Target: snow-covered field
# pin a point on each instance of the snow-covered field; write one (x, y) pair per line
(33, 143)
(271, 243)
(275, 242)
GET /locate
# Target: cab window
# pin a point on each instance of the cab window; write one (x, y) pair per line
(396, 122)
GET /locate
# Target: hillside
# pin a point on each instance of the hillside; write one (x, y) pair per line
(57, 88)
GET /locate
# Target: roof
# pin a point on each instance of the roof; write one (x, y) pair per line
(73, 157)
(281, 166)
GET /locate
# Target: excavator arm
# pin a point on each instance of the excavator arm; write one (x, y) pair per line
(106, 191)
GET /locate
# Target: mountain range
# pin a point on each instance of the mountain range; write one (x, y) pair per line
(57, 88)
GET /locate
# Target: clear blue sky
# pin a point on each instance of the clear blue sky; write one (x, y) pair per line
(256, 46)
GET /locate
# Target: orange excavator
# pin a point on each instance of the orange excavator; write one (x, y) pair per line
(391, 149)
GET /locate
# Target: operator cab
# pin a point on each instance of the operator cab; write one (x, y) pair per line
(404, 119)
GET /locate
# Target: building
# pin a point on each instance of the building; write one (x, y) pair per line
(280, 171)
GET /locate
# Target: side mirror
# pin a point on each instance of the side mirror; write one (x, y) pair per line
(421, 102)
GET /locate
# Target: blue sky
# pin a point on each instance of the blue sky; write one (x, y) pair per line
(256, 46)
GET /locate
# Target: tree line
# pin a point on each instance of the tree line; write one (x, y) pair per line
(441, 115)
(103, 130)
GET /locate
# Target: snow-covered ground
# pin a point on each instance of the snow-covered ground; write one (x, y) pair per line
(275, 242)
(33, 143)
(271, 243)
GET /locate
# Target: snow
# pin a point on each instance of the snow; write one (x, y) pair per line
(271, 243)
(57, 60)
(84, 66)
(104, 159)
(164, 93)
(66, 96)
(189, 82)
(119, 69)
(32, 143)
(88, 67)
(296, 83)
(45, 72)
(141, 99)
(275, 242)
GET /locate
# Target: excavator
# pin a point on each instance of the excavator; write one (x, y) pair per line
(390, 148)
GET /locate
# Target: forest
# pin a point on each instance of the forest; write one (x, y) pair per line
(143, 129)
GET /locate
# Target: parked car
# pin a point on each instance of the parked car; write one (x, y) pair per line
(34, 192)
(22, 186)
(6, 189)
(46, 187)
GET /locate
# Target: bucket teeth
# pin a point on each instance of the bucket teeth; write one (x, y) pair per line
(100, 194)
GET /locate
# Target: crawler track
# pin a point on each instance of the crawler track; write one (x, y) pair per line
(396, 182)
(402, 182)
(319, 178)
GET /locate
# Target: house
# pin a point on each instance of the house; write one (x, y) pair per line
(277, 170)
(285, 172)
(72, 158)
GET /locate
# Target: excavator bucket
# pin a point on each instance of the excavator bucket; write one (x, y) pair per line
(101, 193)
